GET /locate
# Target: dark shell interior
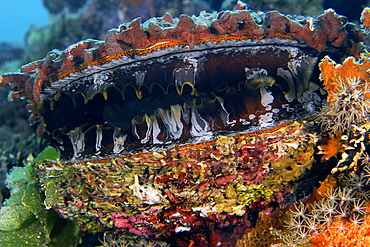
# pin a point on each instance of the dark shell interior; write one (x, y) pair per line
(171, 96)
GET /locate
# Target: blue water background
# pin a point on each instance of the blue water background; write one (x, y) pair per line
(17, 15)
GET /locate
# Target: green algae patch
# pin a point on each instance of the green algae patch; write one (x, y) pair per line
(12, 218)
(24, 221)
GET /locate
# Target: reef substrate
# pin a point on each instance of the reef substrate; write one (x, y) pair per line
(183, 129)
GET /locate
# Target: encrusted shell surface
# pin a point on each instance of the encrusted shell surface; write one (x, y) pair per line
(180, 188)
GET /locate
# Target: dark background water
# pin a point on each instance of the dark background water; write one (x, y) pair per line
(16, 17)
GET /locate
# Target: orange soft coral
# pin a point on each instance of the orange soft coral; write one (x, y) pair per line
(351, 69)
(330, 149)
(365, 17)
(329, 184)
(348, 88)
